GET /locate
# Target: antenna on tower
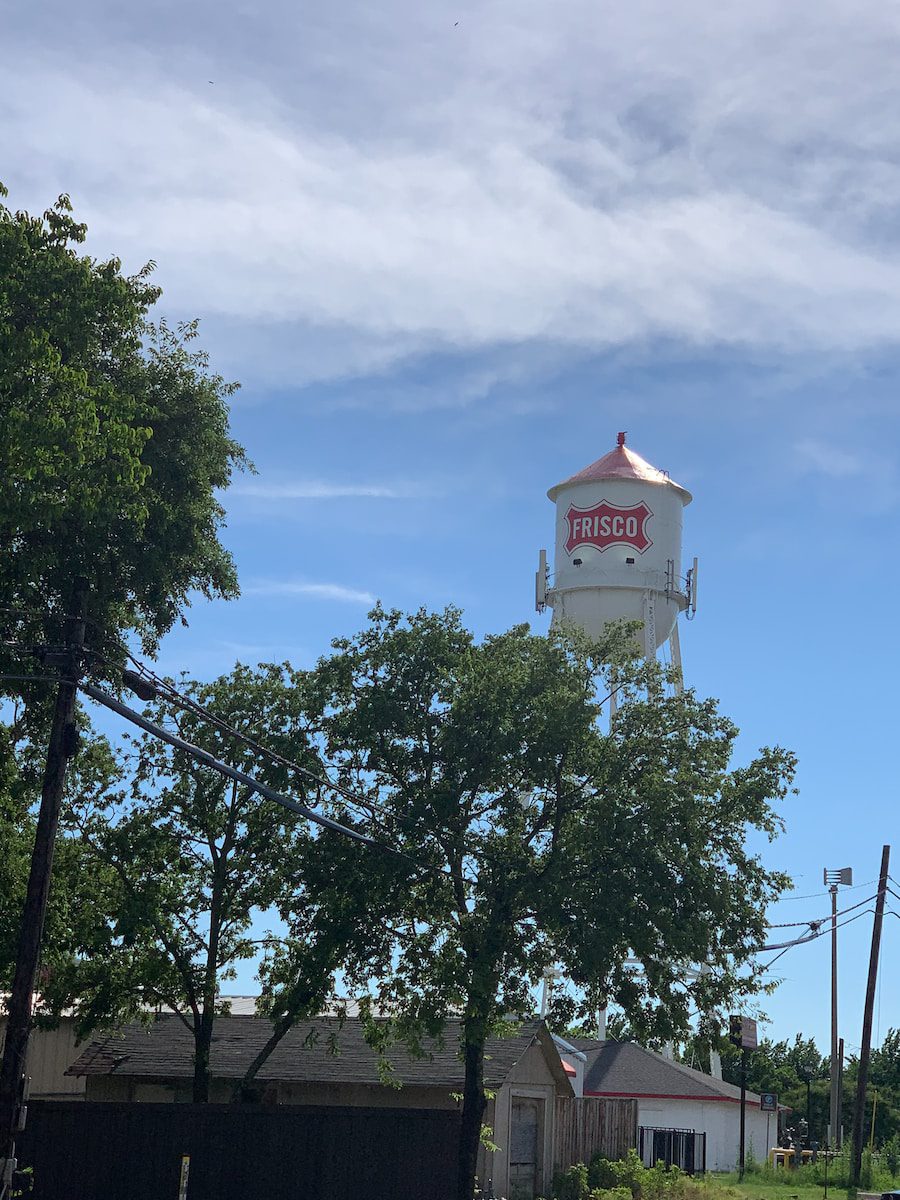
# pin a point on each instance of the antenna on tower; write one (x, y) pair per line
(540, 583)
(692, 591)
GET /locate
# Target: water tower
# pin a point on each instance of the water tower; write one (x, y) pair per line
(618, 551)
(618, 557)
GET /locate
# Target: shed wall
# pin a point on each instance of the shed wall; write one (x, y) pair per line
(50, 1052)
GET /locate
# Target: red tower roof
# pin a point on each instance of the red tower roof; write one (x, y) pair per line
(621, 463)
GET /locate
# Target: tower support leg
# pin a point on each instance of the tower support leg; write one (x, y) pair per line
(649, 625)
(675, 647)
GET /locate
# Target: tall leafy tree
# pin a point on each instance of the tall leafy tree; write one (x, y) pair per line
(113, 441)
(195, 859)
(538, 838)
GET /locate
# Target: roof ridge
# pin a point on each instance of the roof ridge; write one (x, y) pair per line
(163, 1047)
(717, 1086)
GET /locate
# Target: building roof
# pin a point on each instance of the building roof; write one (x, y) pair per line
(626, 1069)
(318, 1051)
(621, 463)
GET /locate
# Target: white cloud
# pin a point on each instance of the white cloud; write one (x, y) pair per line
(575, 175)
(320, 591)
(833, 461)
(320, 490)
(855, 476)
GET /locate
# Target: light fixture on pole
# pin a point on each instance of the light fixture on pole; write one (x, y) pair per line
(833, 880)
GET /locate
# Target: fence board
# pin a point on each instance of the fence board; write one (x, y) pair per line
(113, 1151)
(588, 1125)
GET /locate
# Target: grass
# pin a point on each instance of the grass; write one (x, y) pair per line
(630, 1180)
(757, 1187)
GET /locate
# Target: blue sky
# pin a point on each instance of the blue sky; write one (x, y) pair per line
(450, 251)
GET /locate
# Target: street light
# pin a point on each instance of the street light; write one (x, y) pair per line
(834, 879)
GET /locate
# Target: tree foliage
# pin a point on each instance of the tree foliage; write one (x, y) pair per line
(194, 860)
(538, 838)
(80, 897)
(113, 441)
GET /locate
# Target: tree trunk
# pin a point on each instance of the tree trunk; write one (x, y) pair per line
(242, 1088)
(474, 1104)
(203, 1031)
(21, 999)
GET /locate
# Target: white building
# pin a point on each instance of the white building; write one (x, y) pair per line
(671, 1096)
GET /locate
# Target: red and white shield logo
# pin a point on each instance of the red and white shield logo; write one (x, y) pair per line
(609, 525)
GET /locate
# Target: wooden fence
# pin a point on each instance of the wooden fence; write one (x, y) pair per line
(587, 1125)
(93, 1151)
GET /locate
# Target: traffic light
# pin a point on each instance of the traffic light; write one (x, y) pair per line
(736, 1030)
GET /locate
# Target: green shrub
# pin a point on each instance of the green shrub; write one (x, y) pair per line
(627, 1179)
(602, 1173)
(890, 1155)
(571, 1184)
(627, 1173)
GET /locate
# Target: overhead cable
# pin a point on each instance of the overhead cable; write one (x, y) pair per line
(816, 929)
(818, 895)
(784, 947)
(171, 693)
(821, 920)
(241, 777)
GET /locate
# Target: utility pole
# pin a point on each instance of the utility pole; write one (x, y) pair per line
(835, 1068)
(833, 879)
(743, 1141)
(865, 1048)
(60, 749)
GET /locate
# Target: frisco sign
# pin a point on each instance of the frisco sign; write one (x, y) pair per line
(608, 525)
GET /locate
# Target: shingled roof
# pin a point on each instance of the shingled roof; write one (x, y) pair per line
(626, 1069)
(323, 1050)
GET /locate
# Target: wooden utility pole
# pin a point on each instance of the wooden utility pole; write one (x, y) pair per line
(865, 1048)
(742, 1151)
(18, 1023)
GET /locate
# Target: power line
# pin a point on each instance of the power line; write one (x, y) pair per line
(241, 777)
(828, 916)
(247, 780)
(818, 895)
(171, 693)
(816, 930)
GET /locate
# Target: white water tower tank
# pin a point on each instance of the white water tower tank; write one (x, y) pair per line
(618, 548)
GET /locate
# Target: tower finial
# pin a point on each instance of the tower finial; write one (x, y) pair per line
(620, 439)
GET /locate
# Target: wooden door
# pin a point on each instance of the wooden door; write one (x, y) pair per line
(526, 1136)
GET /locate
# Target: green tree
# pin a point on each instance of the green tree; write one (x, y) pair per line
(113, 442)
(785, 1067)
(884, 1079)
(80, 898)
(195, 859)
(541, 839)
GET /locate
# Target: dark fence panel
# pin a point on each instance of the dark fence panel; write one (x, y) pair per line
(84, 1150)
(684, 1148)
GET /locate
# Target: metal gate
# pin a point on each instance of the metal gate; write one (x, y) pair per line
(684, 1148)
